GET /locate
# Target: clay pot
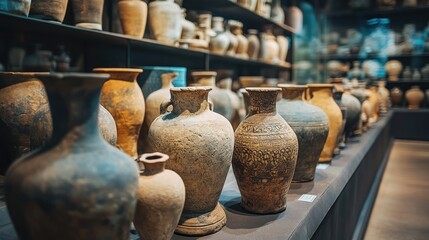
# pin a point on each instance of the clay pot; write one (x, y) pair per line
(384, 97)
(396, 96)
(191, 133)
(425, 72)
(277, 13)
(233, 40)
(243, 43)
(154, 100)
(88, 13)
(283, 48)
(294, 18)
(322, 98)
(52, 10)
(160, 198)
(220, 42)
(151, 78)
(414, 97)
(340, 144)
(188, 27)
(165, 21)
(226, 84)
(269, 47)
(254, 44)
(133, 16)
(128, 111)
(366, 114)
(393, 69)
(265, 153)
(374, 99)
(249, 4)
(310, 125)
(219, 97)
(89, 185)
(21, 95)
(19, 7)
(406, 74)
(251, 81)
(41, 128)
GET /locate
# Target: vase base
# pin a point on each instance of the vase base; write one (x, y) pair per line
(271, 211)
(95, 26)
(325, 159)
(202, 224)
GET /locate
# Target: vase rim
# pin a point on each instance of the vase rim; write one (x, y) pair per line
(117, 70)
(292, 86)
(155, 157)
(263, 89)
(88, 76)
(190, 89)
(204, 73)
(320, 85)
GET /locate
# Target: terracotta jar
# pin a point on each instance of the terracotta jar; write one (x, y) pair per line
(89, 185)
(310, 125)
(133, 16)
(160, 198)
(414, 97)
(243, 43)
(220, 42)
(254, 44)
(52, 10)
(269, 47)
(233, 40)
(41, 127)
(21, 95)
(128, 111)
(165, 21)
(283, 48)
(220, 98)
(19, 7)
(88, 13)
(374, 99)
(294, 18)
(396, 96)
(384, 97)
(322, 98)
(265, 153)
(393, 69)
(191, 133)
(406, 74)
(366, 113)
(154, 100)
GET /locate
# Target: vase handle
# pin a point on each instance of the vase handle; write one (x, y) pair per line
(164, 106)
(210, 105)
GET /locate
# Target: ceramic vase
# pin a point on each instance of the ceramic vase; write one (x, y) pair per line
(294, 18)
(19, 7)
(251, 81)
(265, 154)
(88, 13)
(221, 41)
(277, 13)
(337, 95)
(52, 10)
(89, 185)
(128, 111)
(396, 96)
(41, 127)
(233, 40)
(310, 125)
(191, 133)
(322, 98)
(269, 47)
(160, 198)
(425, 72)
(219, 97)
(406, 74)
(188, 27)
(374, 99)
(393, 69)
(249, 4)
(414, 97)
(133, 16)
(243, 43)
(165, 21)
(21, 95)
(150, 79)
(226, 84)
(254, 44)
(366, 113)
(283, 48)
(384, 97)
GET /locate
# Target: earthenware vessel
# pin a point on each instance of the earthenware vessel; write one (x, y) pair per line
(233, 40)
(41, 127)
(128, 111)
(310, 125)
(283, 48)
(226, 84)
(425, 72)
(416, 75)
(165, 21)
(52, 10)
(277, 13)
(133, 16)
(193, 133)
(414, 97)
(396, 96)
(322, 98)
(294, 18)
(406, 74)
(393, 69)
(21, 95)
(220, 42)
(243, 43)
(384, 94)
(188, 27)
(265, 154)
(249, 4)
(160, 198)
(88, 13)
(366, 113)
(337, 95)
(220, 98)
(269, 47)
(254, 44)
(89, 185)
(374, 99)
(150, 79)
(19, 7)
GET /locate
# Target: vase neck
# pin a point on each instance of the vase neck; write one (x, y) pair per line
(321, 92)
(292, 93)
(153, 163)
(74, 104)
(167, 79)
(192, 100)
(262, 100)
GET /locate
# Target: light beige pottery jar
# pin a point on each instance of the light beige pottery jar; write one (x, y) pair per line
(414, 97)
(254, 44)
(133, 16)
(393, 69)
(384, 94)
(269, 47)
(165, 21)
(374, 99)
(220, 42)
